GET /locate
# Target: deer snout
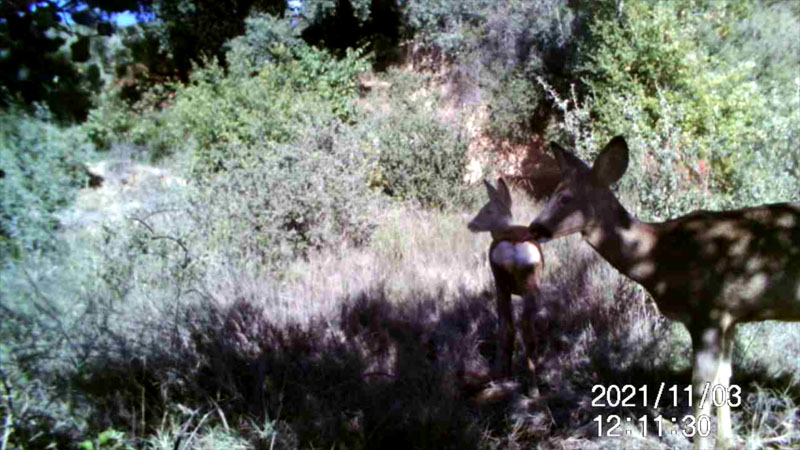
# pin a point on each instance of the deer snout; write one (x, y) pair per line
(539, 232)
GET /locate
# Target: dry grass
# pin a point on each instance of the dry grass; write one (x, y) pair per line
(412, 253)
(391, 344)
(418, 301)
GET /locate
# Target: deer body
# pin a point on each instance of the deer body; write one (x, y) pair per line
(516, 261)
(709, 270)
(743, 264)
(517, 256)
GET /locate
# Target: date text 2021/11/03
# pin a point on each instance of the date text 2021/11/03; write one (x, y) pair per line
(628, 396)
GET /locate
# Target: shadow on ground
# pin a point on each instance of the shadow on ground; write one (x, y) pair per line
(384, 373)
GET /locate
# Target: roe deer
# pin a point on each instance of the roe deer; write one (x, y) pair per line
(516, 261)
(708, 270)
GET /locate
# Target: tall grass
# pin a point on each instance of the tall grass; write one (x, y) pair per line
(274, 300)
(389, 343)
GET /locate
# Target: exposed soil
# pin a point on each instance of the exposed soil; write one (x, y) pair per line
(526, 166)
(120, 187)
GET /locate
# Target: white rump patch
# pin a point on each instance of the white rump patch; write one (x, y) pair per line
(787, 221)
(512, 256)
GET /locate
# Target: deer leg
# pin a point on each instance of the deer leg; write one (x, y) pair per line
(725, 439)
(707, 346)
(506, 333)
(530, 307)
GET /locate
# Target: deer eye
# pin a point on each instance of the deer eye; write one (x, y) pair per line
(565, 199)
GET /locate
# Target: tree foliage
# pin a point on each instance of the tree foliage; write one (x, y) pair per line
(714, 114)
(196, 30)
(41, 169)
(45, 52)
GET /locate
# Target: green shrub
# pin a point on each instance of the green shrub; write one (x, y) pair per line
(499, 49)
(253, 99)
(110, 439)
(278, 173)
(416, 155)
(444, 24)
(148, 124)
(760, 57)
(222, 113)
(264, 42)
(420, 158)
(283, 200)
(712, 126)
(108, 120)
(107, 300)
(41, 167)
(264, 138)
(517, 109)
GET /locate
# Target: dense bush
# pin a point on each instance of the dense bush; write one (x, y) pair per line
(711, 127)
(420, 158)
(192, 30)
(706, 90)
(416, 152)
(502, 48)
(282, 200)
(108, 121)
(517, 109)
(643, 63)
(146, 123)
(445, 25)
(224, 115)
(107, 290)
(41, 169)
(760, 57)
(214, 307)
(275, 164)
(266, 40)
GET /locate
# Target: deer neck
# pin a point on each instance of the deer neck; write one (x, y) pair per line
(624, 241)
(512, 233)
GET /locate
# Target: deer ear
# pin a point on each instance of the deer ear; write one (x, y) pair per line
(611, 163)
(505, 194)
(490, 189)
(567, 162)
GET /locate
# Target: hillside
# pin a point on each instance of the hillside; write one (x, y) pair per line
(272, 251)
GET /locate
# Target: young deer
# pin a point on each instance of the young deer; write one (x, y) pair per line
(709, 270)
(516, 261)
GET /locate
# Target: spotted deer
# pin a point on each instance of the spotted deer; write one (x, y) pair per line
(516, 261)
(708, 270)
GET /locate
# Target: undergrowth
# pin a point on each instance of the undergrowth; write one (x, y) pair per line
(310, 281)
(389, 344)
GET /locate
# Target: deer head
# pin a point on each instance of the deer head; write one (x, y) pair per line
(583, 197)
(496, 214)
